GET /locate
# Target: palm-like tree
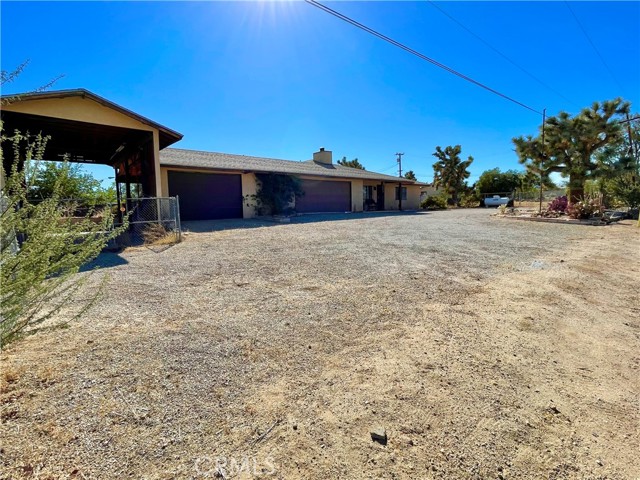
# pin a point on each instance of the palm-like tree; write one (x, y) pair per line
(450, 171)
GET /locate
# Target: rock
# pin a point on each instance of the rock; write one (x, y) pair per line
(379, 434)
(599, 462)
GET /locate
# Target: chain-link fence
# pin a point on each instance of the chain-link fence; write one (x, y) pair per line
(534, 195)
(152, 220)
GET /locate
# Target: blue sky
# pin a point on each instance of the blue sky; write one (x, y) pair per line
(281, 79)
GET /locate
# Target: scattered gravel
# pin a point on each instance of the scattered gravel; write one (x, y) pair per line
(272, 348)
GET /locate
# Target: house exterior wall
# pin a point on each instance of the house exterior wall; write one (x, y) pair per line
(413, 198)
(356, 195)
(390, 202)
(249, 187)
(411, 203)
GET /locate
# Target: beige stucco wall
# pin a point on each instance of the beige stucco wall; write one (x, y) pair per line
(356, 195)
(390, 202)
(249, 187)
(413, 198)
(411, 203)
(77, 108)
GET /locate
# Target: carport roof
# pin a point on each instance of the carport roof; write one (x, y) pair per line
(167, 135)
(177, 157)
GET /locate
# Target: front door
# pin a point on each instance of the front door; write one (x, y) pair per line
(380, 190)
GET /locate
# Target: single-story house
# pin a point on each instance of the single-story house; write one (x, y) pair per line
(213, 185)
(91, 129)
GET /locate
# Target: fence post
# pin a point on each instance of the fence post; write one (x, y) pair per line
(177, 217)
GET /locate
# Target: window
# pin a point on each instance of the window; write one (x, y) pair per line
(367, 193)
(404, 193)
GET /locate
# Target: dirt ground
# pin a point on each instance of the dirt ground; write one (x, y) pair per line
(486, 347)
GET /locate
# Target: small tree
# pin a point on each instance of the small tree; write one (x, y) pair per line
(351, 163)
(496, 181)
(411, 176)
(41, 248)
(69, 181)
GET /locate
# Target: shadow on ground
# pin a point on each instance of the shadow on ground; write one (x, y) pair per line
(104, 260)
(202, 226)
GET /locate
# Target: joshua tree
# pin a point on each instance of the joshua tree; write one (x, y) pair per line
(571, 144)
(450, 171)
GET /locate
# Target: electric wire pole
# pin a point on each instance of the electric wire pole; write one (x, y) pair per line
(544, 119)
(400, 182)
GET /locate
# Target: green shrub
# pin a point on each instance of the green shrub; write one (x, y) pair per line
(469, 199)
(436, 202)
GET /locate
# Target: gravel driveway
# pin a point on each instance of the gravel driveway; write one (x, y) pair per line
(260, 349)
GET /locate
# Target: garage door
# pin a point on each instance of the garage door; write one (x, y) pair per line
(205, 196)
(323, 196)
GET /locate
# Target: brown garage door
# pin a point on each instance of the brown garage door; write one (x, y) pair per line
(324, 196)
(205, 196)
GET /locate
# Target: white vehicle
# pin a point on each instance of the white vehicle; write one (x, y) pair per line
(496, 201)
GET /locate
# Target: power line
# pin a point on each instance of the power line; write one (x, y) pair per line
(394, 166)
(445, 13)
(593, 45)
(416, 53)
(632, 119)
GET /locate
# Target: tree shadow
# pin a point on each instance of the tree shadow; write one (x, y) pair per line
(104, 260)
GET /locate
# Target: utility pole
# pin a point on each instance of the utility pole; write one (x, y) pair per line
(400, 182)
(632, 149)
(544, 120)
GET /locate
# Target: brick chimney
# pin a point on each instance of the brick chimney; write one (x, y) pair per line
(323, 156)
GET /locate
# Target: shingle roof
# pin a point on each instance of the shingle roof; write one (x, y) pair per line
(178, 157)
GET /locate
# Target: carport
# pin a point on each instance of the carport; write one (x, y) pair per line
(91, 129)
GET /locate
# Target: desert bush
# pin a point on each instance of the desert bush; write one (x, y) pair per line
(558, 204)
(436, 202)
(158, 234)
(41, 247)
(275, 193)
(585, 209)
(469, 199)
